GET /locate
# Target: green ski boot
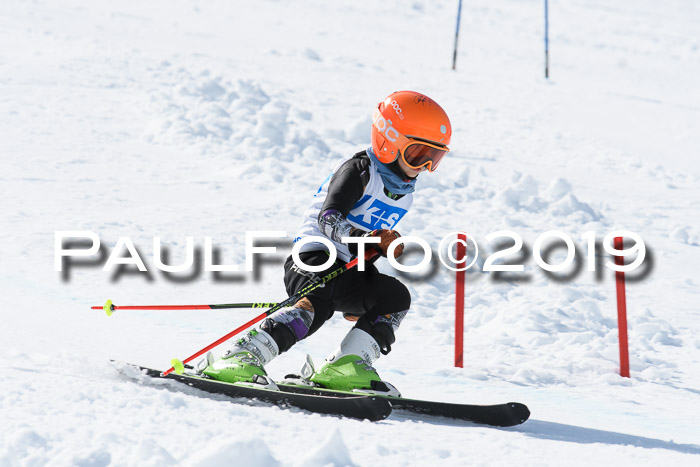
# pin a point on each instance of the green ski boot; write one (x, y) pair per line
(244, 362)
(350, 367)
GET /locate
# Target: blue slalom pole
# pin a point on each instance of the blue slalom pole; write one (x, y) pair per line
(546, 39)
(459, 15)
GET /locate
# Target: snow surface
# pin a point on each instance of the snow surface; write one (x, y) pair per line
(186, 118)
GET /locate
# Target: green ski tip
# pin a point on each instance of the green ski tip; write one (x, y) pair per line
(108, 308)
(178, 365)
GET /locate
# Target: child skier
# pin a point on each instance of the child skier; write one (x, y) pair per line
(366, 195)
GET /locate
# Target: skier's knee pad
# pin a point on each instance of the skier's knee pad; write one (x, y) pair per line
(382, 329)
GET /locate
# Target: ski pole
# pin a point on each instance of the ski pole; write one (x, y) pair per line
(109, 307)
(459, 15)
(178, 366)
(546, 39)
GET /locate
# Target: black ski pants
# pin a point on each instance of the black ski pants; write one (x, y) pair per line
(367, 294)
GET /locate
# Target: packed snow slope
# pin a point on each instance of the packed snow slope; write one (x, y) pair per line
(209, 119)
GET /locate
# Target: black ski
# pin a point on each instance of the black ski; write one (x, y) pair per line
(361, 407)
(508, 414)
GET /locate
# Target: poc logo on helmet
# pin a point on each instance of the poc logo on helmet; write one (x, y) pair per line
(384, 126)
(397, 108)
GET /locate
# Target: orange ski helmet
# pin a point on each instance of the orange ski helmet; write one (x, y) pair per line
(411, 125)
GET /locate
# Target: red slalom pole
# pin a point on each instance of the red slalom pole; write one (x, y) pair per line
(622, 312)
(459, 303)
(290, 301)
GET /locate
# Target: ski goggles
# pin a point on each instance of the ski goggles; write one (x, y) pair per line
(417, 153)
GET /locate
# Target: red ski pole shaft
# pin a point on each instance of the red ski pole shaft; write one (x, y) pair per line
(310, 286)
(221, 340)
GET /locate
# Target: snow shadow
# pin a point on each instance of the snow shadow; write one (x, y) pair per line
(576, 434)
